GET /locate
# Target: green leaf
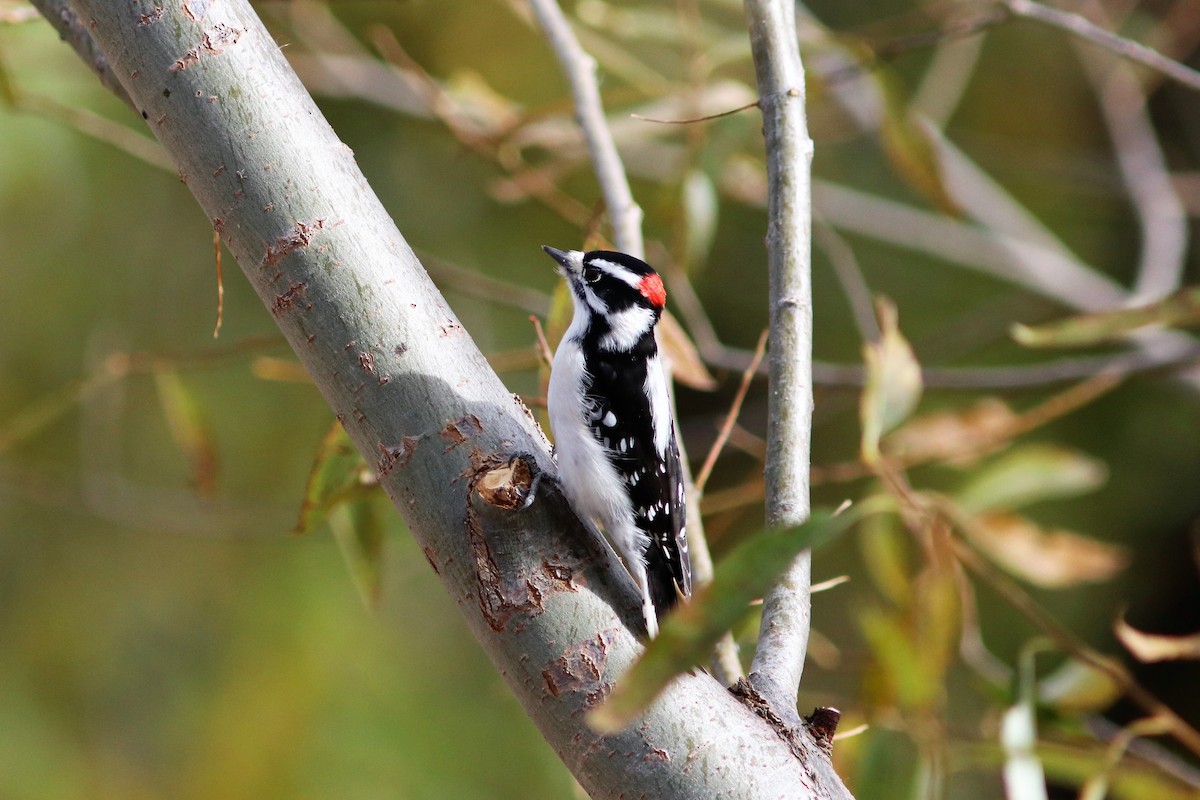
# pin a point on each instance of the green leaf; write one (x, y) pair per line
(359, 530)
(894, 384)
(1179, 309)
(689, 633)
(190, 429)
(1030, 473)
(885, 553)
(899, 669)
(914, 648)
(338, 475)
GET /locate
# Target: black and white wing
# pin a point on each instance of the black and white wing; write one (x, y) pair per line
(621, 419)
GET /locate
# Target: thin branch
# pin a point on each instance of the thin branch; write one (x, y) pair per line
(338, 66)
(735, 408)
(694, 120)
(945, 82)
(1033, 265)
(1025, 376)
(1160, 214)
(849, 275)
(580, 69)
(451, 277)
(1031, 257)
(90, 124)
(783, 636)
(1084, 29)
(1071, 643)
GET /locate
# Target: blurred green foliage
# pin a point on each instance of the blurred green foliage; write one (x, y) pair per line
(162, 633)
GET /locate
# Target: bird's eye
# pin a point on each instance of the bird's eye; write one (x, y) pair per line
(591, 275)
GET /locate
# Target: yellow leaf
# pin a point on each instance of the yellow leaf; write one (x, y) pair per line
(190, 429)
(1179, 309)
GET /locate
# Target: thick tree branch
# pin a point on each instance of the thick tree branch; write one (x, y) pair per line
(783, 637)
(548, 605)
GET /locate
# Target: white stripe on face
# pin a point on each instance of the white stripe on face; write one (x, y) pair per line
(617, 271)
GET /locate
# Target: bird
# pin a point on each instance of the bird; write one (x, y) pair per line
(612, 421)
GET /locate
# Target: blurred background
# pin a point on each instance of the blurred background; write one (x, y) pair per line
(163, 631)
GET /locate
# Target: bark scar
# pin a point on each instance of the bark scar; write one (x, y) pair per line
(581, 670)
(215, 40)
(298, 237)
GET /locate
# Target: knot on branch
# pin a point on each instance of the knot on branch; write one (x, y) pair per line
(822, 724)
(510, 584)
(510, 486)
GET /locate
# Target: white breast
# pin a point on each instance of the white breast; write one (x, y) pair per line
(588, 479)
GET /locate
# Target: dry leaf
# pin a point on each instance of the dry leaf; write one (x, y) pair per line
(686, 365)
(1050, 559)
(956, 436)
(1150, 647)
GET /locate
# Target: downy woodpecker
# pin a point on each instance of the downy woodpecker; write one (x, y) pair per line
(611, 417)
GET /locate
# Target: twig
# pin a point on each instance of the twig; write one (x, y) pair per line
(543, 346)
(735, 408)
(50, 407)
(338, 66)
(99, 128)
(1069, 642)
(1012, 246)
(854, 286)
(1033, 265)
(451, 277)
(1028, 376)
(1140, 158)
(694, 120)
(580, 69)
(945, 81)
(783, 636)
(1126, 48)
(220, 283)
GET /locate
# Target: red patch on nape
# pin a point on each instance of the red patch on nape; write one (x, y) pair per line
(652, 289)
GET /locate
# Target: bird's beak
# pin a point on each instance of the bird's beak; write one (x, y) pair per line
(568, 262)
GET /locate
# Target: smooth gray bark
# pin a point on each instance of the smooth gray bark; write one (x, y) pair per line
(548, 605)
(783, 636)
